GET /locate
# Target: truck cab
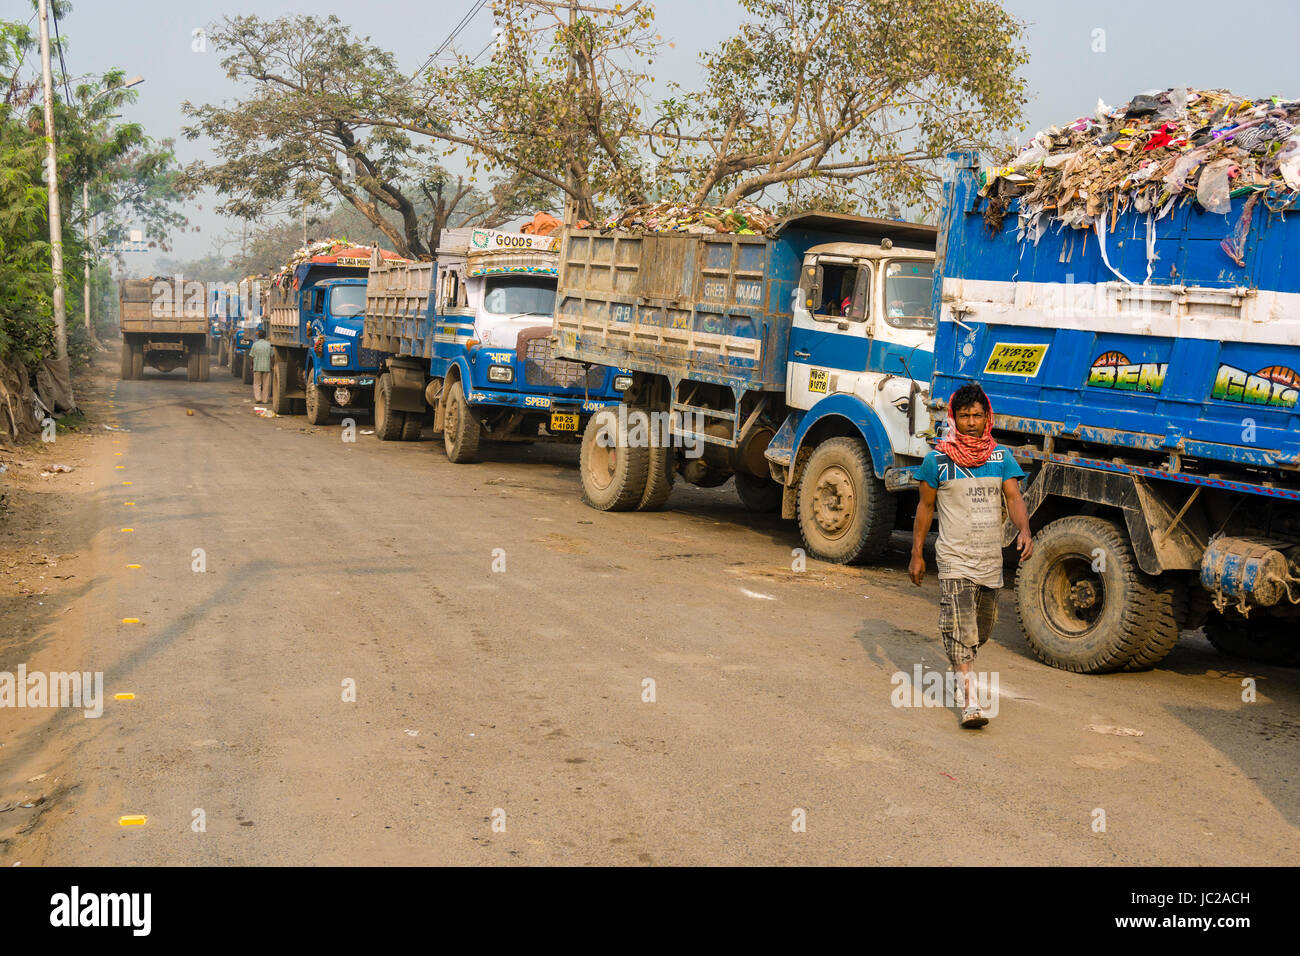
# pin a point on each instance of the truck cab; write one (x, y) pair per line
(334, 317)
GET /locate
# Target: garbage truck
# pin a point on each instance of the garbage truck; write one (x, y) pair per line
(243, 331)
(797, 360)
(1146, 373)
(164, 323)
(314, 322)
(469, 338)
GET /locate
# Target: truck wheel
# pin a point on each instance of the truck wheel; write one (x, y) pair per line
(246, 368)
(205, 365)
(760, 495)
(1266, 640)
(845, 513)
(192, 366)
(1084, 604)
(460, 433)
(281, 404)
(126, 361)
(412, 426)
(318, 404)
(389, 423)
(236, 365)
(661, 471)
(614, 477)
(137, 360)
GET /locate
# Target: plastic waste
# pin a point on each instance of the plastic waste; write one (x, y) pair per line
(1214, 190)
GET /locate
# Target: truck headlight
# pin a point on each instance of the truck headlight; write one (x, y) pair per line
(622, 383)
(339, 359)
(501, 373)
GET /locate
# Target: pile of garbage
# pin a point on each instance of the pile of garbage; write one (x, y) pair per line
(321, 247)
(744, 220)
(1158, 150)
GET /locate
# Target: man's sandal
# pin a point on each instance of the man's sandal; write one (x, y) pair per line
(973, 717)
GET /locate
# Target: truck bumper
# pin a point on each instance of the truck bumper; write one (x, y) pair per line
(540, 403)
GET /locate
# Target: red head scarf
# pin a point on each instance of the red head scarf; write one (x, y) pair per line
(963, 449)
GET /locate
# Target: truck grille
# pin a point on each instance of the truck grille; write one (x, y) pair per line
(367, 358)
(542, 370)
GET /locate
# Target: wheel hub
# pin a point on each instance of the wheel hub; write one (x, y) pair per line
(1083, 595)
(834, 501)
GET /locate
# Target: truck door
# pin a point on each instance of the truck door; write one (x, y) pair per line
(831, 329)
(902, 353)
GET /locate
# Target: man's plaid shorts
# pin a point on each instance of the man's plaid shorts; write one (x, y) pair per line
(967, 613)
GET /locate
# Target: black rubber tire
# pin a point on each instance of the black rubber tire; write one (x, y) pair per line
(1136, 623)
(864, 535)
(192, 366)
(412, 426)
(759, 495)
(281, 404)
(388, 423)
(461, 430)
(246, 368)
(223, 352)
(1256, 638)
(205, 365)
(236, 365)
(137, 360)
(318, 404)
(126, 361)
(661, 472)
(613, 478)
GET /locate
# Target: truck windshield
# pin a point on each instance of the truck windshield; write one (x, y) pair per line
(347, 301)
(908, 284)
(514, 295)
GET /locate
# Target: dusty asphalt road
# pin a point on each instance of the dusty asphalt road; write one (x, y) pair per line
(522, 691)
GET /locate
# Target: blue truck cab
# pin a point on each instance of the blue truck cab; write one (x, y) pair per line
(1149, 383)
(470, 336)
(315, 325)
(797, 361)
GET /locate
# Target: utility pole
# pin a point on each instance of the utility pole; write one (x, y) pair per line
(52, 188)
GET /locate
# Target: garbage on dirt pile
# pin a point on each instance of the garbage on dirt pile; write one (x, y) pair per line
(1159, 150)
(745, 219)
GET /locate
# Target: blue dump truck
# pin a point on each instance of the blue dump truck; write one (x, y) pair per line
(1146, 374)
(468, 336)
(314, 324)
(243, 332)
(798, 361)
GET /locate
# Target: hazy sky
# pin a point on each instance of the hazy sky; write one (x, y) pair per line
(1078, 52)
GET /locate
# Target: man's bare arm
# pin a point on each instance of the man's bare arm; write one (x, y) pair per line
(1019, 517)
(921, 528)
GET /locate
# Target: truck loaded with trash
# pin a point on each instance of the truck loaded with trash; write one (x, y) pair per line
(1126, 293)
(794, 355)
(314, 324)
(468, 336)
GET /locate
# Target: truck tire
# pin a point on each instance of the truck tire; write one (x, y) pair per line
(661, 470)
(205, 365)
(845, 514)
(460, 434)
(389, 423)
(137, 360)
(1257, 638)
(759, 495)
(246, 368)
(281, 404)
(223, 353)
(126, 360)
(236, 365)
(192, 365)
(1086, 606)
(318, 404)
(412, 426)
(614, 478)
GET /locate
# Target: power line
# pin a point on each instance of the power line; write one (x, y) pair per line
(63, 67)
(464, 22)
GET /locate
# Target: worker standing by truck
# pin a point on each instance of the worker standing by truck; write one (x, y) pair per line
(260, 354)
(968, 474)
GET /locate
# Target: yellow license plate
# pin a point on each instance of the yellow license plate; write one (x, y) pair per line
(563, 423)
(1009, 358)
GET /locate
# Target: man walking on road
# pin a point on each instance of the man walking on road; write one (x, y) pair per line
(260, 355)
(968, 474)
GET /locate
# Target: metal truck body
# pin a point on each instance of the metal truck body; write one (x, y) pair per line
(164, 323)
(1149, 384)
(314, 324)
(470, 336)
(242, 333)
(798, 362)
